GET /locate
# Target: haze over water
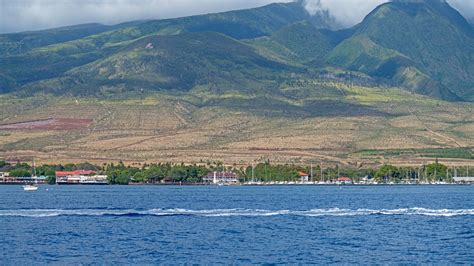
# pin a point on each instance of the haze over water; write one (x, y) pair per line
(111, 224)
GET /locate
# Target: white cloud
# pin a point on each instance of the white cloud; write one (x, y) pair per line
(466, 7)
(347, 12)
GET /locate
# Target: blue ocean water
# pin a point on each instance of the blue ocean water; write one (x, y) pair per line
(237, 225)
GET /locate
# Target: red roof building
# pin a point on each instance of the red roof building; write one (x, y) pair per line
(344, 179)
(75, 173)
(304, 177)
(302, 174)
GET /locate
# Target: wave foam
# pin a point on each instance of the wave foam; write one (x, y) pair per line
(233, 212)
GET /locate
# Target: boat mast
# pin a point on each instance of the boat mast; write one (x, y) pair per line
(253, 173)
(34, 167)
(321, 168)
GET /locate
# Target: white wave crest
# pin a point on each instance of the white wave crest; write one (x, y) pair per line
(234, 212)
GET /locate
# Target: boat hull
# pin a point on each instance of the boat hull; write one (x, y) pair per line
(30, 188)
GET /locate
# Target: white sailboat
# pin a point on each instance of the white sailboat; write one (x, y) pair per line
(32, 187)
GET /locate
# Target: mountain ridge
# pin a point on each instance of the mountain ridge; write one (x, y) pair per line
(283, 33)
(416, 30)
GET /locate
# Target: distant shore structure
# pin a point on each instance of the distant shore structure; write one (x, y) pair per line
(80, 177)
(221, 178)
(5, 178)
(464, 179)
(304, 177)
(344, 181)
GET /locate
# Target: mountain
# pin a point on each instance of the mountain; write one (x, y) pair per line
(271, 82)
(239, 24)
(175, 62)
(16, 43)
(242, 24)
(424, 45)
(50, 58)
(301, 42)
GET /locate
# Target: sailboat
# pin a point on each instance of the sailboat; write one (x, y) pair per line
(32, 186)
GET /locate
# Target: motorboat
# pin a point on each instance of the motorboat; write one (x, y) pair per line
(30, 188)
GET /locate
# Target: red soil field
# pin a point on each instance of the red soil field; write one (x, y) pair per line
(50, 124)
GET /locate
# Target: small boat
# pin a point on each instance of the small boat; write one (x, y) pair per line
(30, 188)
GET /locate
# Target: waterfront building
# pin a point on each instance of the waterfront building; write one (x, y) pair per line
(80, 177)
(221, 178)
(304, 177)
(4, 174)
(464, 179)
(5, 178)
(344, 181)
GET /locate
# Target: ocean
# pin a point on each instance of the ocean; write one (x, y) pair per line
(237, 225)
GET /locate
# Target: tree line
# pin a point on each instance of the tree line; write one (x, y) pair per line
(263, 172)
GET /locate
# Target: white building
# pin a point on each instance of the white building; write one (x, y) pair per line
(464, 179)
(221, 178)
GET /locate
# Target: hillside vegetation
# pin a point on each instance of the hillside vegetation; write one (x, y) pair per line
(308, 121)
(423, 46)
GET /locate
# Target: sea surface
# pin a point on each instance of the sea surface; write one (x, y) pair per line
(237, 225)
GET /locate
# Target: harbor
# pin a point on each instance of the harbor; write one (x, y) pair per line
(84, 177)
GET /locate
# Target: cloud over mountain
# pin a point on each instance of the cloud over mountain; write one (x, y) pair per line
(351, 12)
(347, 12)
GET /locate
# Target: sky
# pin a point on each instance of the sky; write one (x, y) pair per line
(23, 15)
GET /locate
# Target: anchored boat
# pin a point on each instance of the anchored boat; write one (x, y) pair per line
(30, 188)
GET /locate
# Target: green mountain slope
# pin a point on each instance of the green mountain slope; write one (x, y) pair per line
(43, 61)
(176, 62)
(301, 42)
(243, 24)
(424, 45)
(16, 43)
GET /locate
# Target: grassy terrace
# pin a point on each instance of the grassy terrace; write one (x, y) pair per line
(461, 153)
(366, 125)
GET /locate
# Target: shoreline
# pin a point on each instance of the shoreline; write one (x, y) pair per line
(243, 185)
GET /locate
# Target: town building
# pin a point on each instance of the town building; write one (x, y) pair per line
(5, 178)
(304, 177)
(344, 181)
(464, 179)
(80, 177)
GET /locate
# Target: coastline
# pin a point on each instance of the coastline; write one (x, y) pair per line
(245, 185)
